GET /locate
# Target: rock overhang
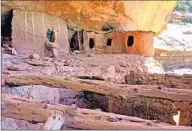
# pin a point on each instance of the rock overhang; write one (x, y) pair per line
(147, 16)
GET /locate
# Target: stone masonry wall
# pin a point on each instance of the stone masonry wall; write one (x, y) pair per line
(142, 45)
(29, 32)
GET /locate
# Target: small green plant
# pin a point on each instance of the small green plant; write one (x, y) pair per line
(184, 6)
(189, 19)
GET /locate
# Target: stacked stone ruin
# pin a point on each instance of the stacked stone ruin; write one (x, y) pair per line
(142, 101)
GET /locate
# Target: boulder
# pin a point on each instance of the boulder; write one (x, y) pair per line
(34, 56)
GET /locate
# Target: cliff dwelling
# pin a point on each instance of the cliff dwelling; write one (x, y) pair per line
(33, 29)
(29, 29)
(133, 42)
(94, 65)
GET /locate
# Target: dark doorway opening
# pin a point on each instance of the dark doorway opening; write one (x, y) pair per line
(109, 42)
(77, 40)
(6, 28)
(130, 41)
(91, 43)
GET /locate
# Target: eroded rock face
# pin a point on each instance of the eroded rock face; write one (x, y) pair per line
(123, 15)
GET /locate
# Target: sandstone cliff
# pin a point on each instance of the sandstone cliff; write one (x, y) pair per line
(94, 15)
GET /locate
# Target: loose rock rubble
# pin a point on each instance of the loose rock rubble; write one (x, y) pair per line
(34, 56)
(109, 68)
(10, 50)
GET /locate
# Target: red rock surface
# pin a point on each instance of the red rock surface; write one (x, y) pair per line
(125, 15)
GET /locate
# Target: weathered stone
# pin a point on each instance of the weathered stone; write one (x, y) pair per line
(89, 55)
(34, 41)
(89, 119)
(51, 45)
(170, 80)
(8, 124)
(25, 125)
(140, 69)
(48, 70)
(76, 52)
(47, 59)
(55, 45)
(118, 42)
(10, 50)
(37, 92)
(123, 64)
(34, 56)
(35, 62)
(48, 45)
(59, 63)
(110, 73)
(15, 124)
(18, 68)
(123, 96)
(66, 63)
(67, 97)
(55, 53)
(121, 15)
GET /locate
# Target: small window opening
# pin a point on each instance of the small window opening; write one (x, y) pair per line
(109, 42)
(91, 43)
(130, 41)
(50, 35)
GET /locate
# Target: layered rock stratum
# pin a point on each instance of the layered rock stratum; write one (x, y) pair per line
(95, 15)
